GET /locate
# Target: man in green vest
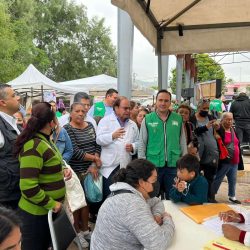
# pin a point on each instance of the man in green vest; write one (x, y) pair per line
(101, 109)
(217, 107)
(162, 140)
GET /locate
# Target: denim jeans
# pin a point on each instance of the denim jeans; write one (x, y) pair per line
(166, 177)
(229, 170)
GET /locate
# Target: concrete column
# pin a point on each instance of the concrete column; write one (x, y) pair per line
(125, 53)
(164, 63)
(179, 71)
(187, 78)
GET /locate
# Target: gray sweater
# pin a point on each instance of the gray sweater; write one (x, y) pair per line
(125, 222)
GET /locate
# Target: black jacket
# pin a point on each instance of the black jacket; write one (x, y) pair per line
(241, 110)
(9, 165)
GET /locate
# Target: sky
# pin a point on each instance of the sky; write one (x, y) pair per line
(144, 59)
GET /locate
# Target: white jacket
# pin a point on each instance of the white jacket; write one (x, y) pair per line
(113, 151)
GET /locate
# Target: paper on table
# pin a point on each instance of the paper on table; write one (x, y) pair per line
(215, 224)
(223, 243)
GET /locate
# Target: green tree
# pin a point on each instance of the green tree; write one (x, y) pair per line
(208, 70)
(77, 47)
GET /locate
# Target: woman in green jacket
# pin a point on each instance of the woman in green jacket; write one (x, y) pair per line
(41, 177)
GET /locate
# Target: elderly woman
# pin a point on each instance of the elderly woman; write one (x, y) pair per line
(85, 159)
(41, 177)
(204, 125)
(228, 167)
(133, 218)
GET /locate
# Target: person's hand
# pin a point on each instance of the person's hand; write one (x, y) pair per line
(191, 149)
(210, 124)
(94, 171)
(176, 181)
(158, 219)
(129, 147)
(57, 208)
(98, 161)
(231, 232)
(229, 216)
(67, 174)
(216, 125)
(181, 186)
(166, 215)
(119, 133)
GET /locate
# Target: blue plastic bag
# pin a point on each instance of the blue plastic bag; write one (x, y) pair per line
(93, 188)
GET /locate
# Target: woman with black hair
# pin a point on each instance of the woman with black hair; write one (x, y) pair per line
(132, 217)
(10, 235)
(41, 177)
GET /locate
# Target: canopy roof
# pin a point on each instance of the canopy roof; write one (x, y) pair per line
(191, 26)
(33, 78)
(94, 83)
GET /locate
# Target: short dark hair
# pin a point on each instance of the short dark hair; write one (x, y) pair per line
(81, 95)
(164, 91)
(185, 106)
(189, 162)
(8, 221)
(117, 102)
(110, 92)
(3, 93)
(135, 170)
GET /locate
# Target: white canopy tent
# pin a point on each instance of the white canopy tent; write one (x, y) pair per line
(191, 26)
(32, 83)
(94, 83)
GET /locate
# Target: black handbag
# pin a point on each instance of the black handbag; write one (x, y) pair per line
(230, 147)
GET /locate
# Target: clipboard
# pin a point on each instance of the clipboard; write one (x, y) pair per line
(199, 213)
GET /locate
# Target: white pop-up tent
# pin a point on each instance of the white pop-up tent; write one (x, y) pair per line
(94, 83)
(32, 83)
(191, 26)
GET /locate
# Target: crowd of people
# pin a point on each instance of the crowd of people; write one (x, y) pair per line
(142, 156)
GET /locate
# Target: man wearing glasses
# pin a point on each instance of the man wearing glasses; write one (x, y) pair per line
(162, 140)
(118, 136)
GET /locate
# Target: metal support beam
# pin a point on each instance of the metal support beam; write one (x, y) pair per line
(179, 71)
(164, 61)
(125, 53)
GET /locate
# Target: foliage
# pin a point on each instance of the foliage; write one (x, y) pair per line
(56, 36)
(208, 70)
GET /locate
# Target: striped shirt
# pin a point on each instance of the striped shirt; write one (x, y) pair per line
(83, 141)
(41, 176)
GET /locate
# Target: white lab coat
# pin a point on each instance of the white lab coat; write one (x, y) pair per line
(113, 151)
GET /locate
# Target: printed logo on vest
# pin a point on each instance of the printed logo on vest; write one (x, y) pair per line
(153, 124)
(175, 123)
(99, 109)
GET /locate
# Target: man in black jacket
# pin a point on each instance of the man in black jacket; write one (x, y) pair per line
(9, 165)
(241, 113)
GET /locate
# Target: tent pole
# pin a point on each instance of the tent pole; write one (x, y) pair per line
(164, 61)
(179, 71)
(42, 93)
(159, 38)
(125, 53)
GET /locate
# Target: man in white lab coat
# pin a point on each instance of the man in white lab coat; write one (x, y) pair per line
(118, 136)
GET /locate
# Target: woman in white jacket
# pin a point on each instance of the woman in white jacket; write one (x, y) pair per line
(132, 218)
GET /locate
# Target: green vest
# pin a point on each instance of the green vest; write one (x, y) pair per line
(163, 139)
(99, 109)
(216, 105)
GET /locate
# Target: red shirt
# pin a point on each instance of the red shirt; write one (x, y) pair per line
(228, 138)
